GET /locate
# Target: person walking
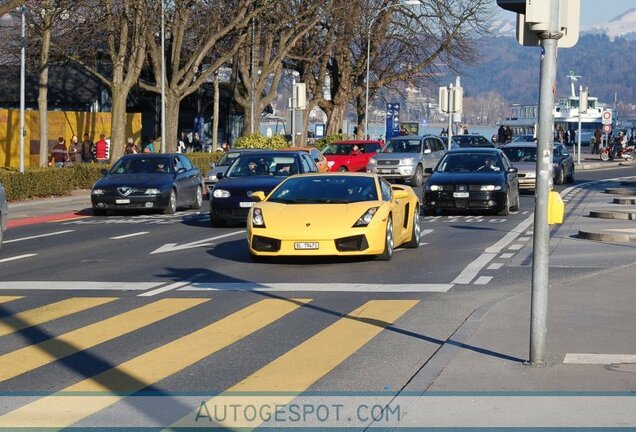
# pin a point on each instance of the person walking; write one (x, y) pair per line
(59, 154)
(598, 136)
(131, 147)
(196, 143)
(87, 149)
(501, 135)
(101, 150)
(507, 134)
(75, 150)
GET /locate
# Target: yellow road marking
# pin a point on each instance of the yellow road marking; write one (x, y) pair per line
(7, 299)
(49, 312)
(31, 357)
(298, 369)
(59, 411)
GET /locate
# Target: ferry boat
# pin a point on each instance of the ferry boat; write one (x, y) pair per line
(523, 119)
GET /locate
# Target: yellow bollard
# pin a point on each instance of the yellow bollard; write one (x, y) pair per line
(556, 208)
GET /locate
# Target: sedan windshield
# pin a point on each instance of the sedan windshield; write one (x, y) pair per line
(137, 165)
(228, 158)
(521, 154)
(469, 162)
(323, 189)
(338, 149)
(263, 165)
(403, 146)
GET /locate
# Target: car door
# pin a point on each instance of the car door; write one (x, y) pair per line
(319, 159)
(512, 179)
(397, 209)
(428, 157)
(190, 178)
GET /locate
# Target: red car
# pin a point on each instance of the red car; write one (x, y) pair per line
(350, 155)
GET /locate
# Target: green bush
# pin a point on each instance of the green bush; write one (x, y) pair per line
(255, 140)
(202, 160)
(324, 142)
(277, 142)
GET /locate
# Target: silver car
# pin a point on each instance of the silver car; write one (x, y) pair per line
(4, 213)
(406, 157)
(221, 167)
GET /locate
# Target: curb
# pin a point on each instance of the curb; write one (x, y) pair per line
(621, 191)
(625, 201)
(605, 236)
(614, 214)
(78, 196)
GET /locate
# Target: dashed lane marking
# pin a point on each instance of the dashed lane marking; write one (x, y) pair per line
(425, 232)
(523, 239)
(495, 266)
(38, 236)
(17, 257)
(321, 287)
(76, 285)
(483, 280)
(515, 247)
(130, 235)
(506, 255)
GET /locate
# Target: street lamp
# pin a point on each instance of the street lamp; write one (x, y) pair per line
(366, 103)
(163, 81)
(22, 84)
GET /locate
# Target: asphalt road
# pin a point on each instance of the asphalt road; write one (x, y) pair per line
(169, 304)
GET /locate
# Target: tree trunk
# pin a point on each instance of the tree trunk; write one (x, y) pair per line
(173, 105)
(43, 90)
(335, 119)
(215, 118)
(118, 122)
(360, 111)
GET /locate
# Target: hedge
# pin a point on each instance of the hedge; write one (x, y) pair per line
(46, 182)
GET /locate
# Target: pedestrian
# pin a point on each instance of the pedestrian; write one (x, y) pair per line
(566, 137)
(186, 141)
(572, 136)
(131, 147)
(598, 136)
(59, 154)
(87, 149)
(560, 134)
(501, 134)
(196, 143)
(465, 130)
(149, 148)
(75, 150)
(101, 150)
(507, 134)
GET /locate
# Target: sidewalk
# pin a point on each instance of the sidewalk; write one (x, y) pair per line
(79, 202)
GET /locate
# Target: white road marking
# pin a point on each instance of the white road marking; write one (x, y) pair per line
(469, 273)
(17, 257)
(599, 359)
(482, 280)
(525, 212)
(130, 235)
(172, 247)
(323, 287)
(506, 255)
(425, 232)
(77, 285)
(515, 247)
(523, 239)
(172, 286)
(628, 230)
(495, 266)
(513, 234)
(405, 249)
(38, 236)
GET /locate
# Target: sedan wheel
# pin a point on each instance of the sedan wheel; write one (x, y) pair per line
(506, 210)
(418, 177)
(342, 169)
(415, 233)
(571, 177)
(172, 203)
(388, 242)
(560, 177)
(198, 200)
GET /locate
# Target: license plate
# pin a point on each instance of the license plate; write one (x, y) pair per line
(384, 171)
(306, 245)
(246, 204)
(460, 194)
(122, 201)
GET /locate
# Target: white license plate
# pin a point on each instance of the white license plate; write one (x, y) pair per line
(245, 204)
(122, 201)
(306, 245)
(460, 194)
(384, 171)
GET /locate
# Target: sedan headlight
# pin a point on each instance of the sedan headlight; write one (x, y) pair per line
(407, 161)
(257, 218)
(212, 178)
(434, 188)
(366, 218)
(531, 174)
(221, 193)
(490, 188)
(153, 191)
(97, 192)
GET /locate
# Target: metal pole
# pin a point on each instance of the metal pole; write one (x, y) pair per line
(450, 115)
(163, 81)
(22, 86)
(293, 110)
(252, 82)
(578, 156)
(541, 243)
(366, 103)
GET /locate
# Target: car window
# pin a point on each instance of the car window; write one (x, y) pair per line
(403, 146)
(308, 164)
(185, 162)
(371, 148)
(387, 192)
(315, 154)
(469, 162)
(178, 164)
(316, 189)
(435, 144)
(137, 165)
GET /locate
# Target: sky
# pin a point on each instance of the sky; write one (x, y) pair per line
(601, 11)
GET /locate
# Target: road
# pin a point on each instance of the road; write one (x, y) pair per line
(165, 303)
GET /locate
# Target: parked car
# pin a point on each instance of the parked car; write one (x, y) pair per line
(334, 214)
(472, 140)
(4, 213)
(352, 155)
(148, 181)
(524, 157)
(231, 197)
(527, 138)
(406, 157)
(473, 179)
(316, 155)
(222, 166)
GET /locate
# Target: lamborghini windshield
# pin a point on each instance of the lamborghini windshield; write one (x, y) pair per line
(325, 190)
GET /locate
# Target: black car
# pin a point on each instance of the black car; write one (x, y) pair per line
(148, 181)
(472, 140)
(473, 179)
(231, 198)
(222, 166)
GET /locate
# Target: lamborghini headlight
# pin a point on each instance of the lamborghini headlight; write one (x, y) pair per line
(366, 218)
(257, 218)
(489, 188)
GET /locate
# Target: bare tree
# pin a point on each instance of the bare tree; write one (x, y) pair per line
(202, 37)
(8, 5)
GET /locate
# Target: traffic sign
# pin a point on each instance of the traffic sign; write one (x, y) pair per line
(607, 128)
(606, 117)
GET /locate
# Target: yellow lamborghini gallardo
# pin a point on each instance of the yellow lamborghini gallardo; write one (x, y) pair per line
(334, 214)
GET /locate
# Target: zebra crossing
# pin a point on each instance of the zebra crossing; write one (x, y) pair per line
(288, 375)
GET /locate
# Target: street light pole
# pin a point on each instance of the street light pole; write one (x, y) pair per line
(252, 82)
(163, 81)
(22, 84)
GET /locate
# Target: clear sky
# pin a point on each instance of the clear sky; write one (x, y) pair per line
(601, 11)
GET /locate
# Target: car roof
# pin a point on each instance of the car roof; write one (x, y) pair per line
(525, 145)
(337, 174)
(472, 135)
(474, 150)
(356, 142)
